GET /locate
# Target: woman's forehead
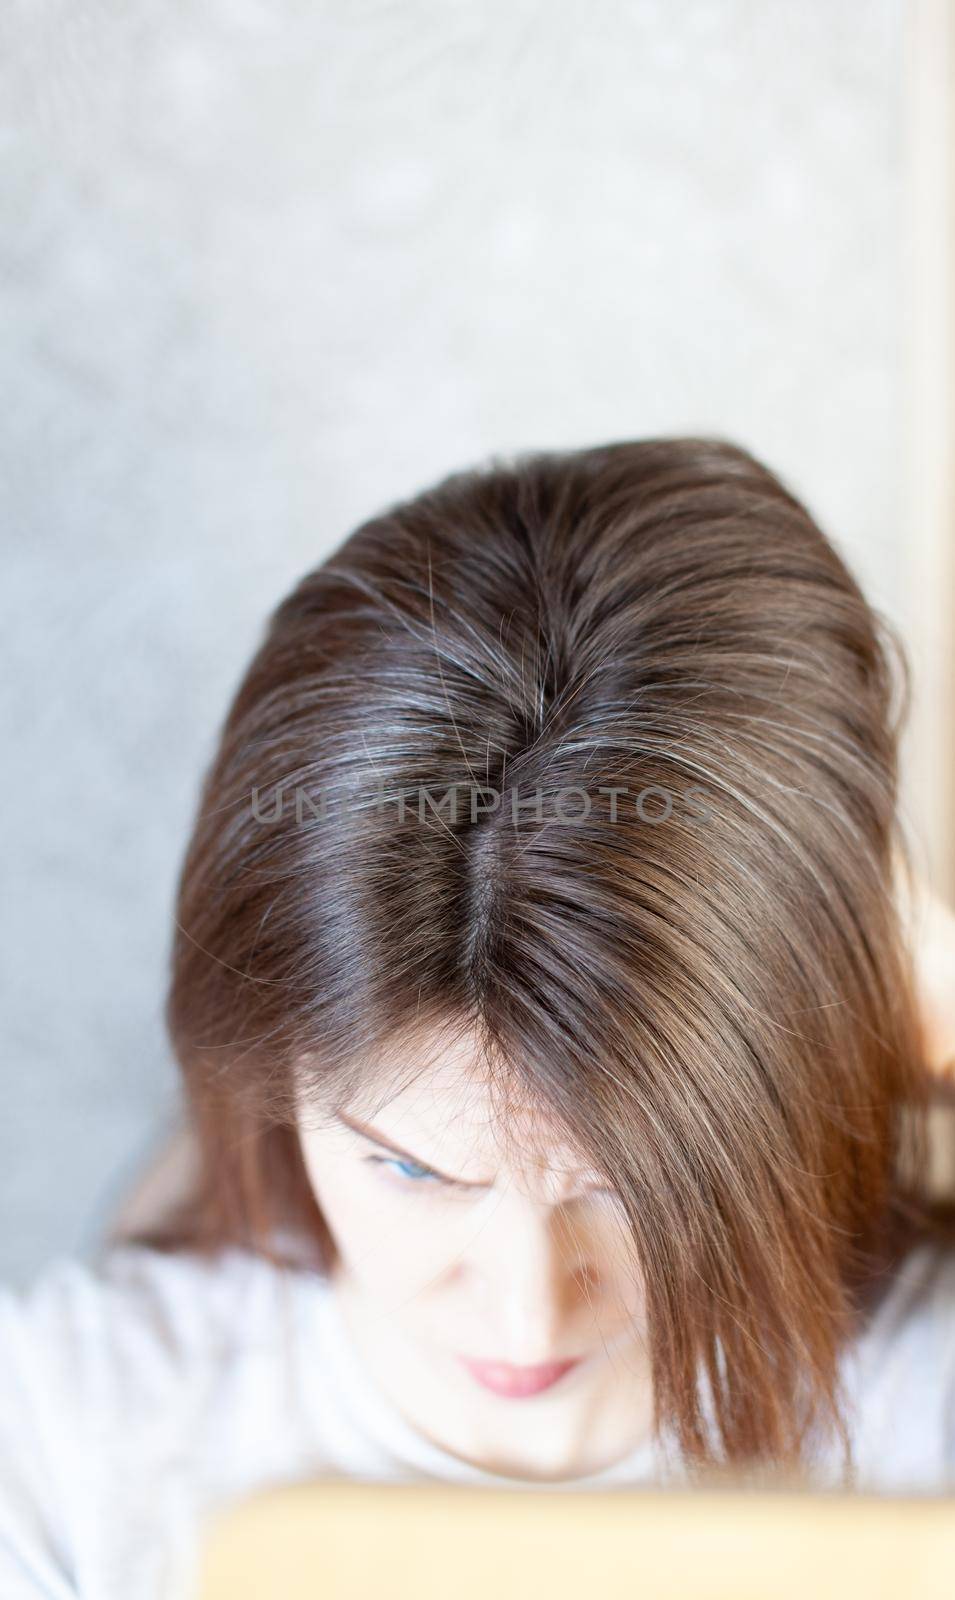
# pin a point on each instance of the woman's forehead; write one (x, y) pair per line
(436, 1092)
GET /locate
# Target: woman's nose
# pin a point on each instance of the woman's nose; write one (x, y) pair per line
(532, 1280)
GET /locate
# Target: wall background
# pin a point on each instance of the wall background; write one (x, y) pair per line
(265, 267)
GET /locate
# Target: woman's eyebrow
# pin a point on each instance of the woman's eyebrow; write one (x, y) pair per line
(367, 1132)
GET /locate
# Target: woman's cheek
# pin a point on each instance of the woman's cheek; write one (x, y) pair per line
(411, 1247)
(391, 1243)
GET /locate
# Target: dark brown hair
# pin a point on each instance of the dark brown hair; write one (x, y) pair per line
(702, 975)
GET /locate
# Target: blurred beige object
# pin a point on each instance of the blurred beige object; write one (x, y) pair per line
(347, 1541)
(930, 928)
(936, 979)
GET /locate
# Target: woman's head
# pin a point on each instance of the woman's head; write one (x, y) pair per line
(561, 801)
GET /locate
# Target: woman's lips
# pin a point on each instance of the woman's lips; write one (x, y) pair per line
(517, 1383)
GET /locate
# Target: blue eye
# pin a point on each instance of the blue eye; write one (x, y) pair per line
(412, 1171)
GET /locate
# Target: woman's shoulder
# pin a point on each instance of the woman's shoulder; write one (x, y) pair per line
(179, 1299)
(901, 1369)
(129, 1326)
(913, 1320)
(140, 1380)
(920, 1293)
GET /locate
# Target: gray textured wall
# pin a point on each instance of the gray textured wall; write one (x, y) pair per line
(266, 266)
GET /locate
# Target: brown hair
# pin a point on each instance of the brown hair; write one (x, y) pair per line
(702, 975)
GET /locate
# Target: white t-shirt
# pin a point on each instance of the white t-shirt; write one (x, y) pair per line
(144, 1390)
